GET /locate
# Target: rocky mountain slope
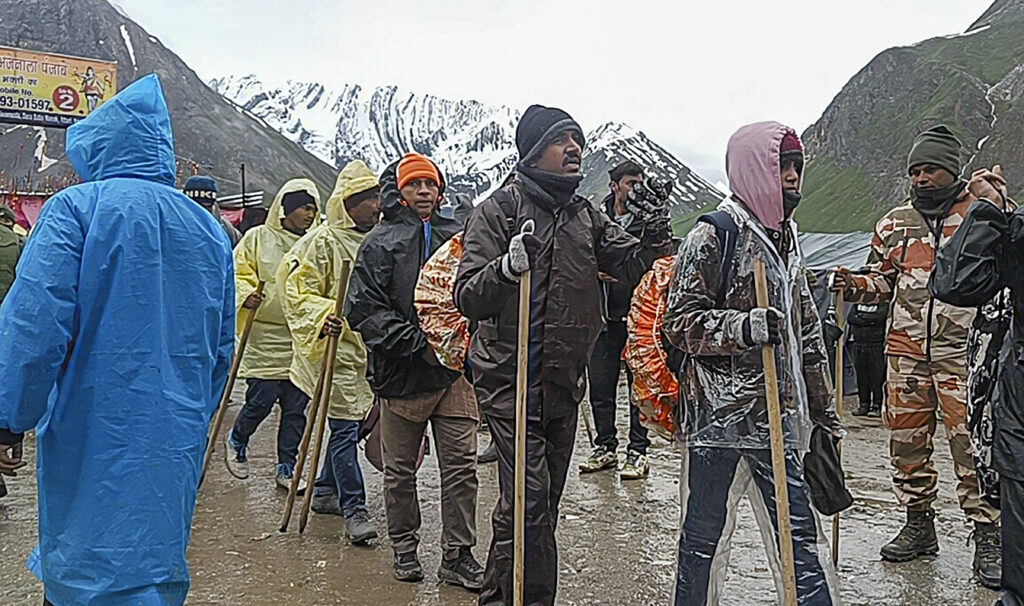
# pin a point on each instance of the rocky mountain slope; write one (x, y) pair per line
(472, 142)
(973, 82)
(210, 133)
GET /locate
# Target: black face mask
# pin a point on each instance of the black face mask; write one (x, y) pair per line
(936, 201)
(790, 200)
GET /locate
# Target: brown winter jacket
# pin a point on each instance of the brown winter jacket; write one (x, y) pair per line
(579, 240)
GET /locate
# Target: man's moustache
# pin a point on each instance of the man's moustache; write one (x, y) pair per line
(571, 158)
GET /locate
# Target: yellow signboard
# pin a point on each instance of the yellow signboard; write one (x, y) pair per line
(44, 89)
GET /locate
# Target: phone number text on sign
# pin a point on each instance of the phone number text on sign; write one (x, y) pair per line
(43, 105)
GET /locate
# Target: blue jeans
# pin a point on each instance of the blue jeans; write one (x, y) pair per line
(259, 401)
(341, 474)
(710, 476)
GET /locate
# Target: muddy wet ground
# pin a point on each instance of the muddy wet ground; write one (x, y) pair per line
(617, 540)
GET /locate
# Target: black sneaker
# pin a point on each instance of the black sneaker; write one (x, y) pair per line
(407, 567)
(462, 569)
(488, 455)
(863, 410)
(876, 411)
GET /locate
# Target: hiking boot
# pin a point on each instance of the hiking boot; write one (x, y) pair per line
(601, 458)
(407, 567)
(988, 547)
(234, 458)
(916, 539)
(284, 478)
(326, 504)
(462, 569)
(360, 529)
(863, 410)
(487, 455)
(635, 467)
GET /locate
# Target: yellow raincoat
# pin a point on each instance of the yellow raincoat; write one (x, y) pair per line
(309, 276)
(268, 354)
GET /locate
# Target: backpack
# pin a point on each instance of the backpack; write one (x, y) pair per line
(726, 232)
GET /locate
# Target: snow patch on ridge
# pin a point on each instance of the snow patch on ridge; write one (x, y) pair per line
(128, 44)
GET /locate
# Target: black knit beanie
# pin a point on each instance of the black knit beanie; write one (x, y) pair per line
(296, 199)
(939, 146)
(539, 126)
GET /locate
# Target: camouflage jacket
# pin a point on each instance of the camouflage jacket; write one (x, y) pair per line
(722, 388)
(902, 254)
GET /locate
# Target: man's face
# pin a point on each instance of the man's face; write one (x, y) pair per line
(366, 213)
(563, 156)
(791, 172)
(623, 186)
(422, 196)
(929, 176)
(301, 218)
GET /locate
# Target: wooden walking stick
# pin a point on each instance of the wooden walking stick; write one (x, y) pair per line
(771, 389)
(840, 312)
(222, 407)
(522, 367)
(300, 456)
(325, 399)
(318, 415)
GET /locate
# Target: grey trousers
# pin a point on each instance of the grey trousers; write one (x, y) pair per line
(455, 441)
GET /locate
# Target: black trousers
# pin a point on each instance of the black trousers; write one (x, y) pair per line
(260, 397)
(1012, 520)
(603, 375)
(549, 446)
(869, 364)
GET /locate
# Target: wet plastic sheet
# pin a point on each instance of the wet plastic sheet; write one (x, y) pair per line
(713, 481)
(723, 382)
(447, 330)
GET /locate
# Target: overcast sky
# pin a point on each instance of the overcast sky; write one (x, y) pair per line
(686, 73)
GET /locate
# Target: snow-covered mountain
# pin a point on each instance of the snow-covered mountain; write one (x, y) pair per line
(473, 143)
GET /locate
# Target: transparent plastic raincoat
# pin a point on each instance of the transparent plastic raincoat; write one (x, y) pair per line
(309, 276)
(268, 354)
(116, 339)
(725, 426)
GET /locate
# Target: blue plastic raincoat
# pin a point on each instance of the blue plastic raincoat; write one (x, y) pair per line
(116, 339)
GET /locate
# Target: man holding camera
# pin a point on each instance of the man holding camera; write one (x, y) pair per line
(606, 360)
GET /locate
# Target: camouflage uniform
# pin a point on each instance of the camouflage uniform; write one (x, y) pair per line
(927, 348)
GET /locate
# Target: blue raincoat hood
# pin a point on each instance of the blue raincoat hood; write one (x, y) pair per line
(128, 136)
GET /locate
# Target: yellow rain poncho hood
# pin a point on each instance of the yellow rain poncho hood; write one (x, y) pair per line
(268, 354)
(309, 276)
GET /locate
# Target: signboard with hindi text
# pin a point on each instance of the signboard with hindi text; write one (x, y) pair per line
(46, 89)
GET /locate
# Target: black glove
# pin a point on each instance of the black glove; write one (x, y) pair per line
(762, 326)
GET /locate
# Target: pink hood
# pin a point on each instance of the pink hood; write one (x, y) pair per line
(752, 165)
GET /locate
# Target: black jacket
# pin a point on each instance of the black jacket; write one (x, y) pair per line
(566, 317)
(868, 323)
(971, 268)
(380, 298)
(619, 295)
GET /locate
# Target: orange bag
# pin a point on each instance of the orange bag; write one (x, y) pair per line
(655, 388)
(446, 329)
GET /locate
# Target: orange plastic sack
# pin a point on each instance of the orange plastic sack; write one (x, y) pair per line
(446, 329)
(655, 389)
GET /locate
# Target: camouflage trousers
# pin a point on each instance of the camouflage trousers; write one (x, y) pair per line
(915, 392)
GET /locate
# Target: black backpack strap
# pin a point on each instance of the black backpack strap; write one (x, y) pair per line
(727, 233)
(508, 206)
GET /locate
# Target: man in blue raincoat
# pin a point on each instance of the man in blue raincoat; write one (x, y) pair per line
(115, 342)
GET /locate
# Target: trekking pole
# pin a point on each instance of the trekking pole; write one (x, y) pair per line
(840, 312)
(222, 407)
(586, 422)
(325, 400)
(300, 456)
(522, 367)
(771, 389)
